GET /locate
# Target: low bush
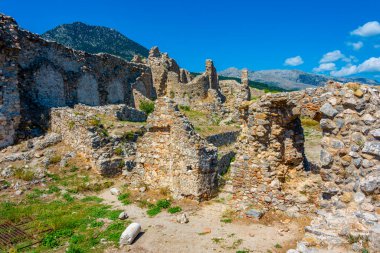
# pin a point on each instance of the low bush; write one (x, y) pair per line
(154, 211)
(174, 209)
(146, 106)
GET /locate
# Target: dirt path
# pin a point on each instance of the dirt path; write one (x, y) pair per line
(163, 234)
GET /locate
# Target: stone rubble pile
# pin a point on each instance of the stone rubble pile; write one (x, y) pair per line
(82, 129)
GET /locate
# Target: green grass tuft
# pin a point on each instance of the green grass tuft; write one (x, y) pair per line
(154, 211)
(174, 209)
(163, 203)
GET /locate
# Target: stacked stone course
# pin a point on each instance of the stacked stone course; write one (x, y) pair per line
(269, 155)
(37, 75)
(172, 155)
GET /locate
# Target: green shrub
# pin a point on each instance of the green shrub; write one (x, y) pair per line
(227, 220)
(118, 151)
(124, 198)
(163, 203)
(74, 168)
(24, 174)
(146, 106)
(53, 189)
(52, 239)
(96, 224)
(95, 122)
(154, 211)
(55, 159)
(68, 197)
(174, 209)
(184, 108)
(92, 199)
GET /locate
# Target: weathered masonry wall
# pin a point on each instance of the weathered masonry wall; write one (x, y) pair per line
(269, 155)
(350, 156)
(46, 74)
(110, 152)
(9, 93)
(171, 155)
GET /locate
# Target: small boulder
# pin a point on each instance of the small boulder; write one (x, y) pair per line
(328, 110)
(115, 191)
(254, 213)
(123, 216)
(182, 218)
(129, 234)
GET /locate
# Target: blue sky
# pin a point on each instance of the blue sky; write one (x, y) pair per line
(331, 37)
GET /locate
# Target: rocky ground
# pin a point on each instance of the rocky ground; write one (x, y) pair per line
(66, 206)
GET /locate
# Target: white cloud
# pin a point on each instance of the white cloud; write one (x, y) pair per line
(370, 65)
(332, 56)
(294, 61)
(356, 45)
(345, 71)
(325, 67)
(368, 29)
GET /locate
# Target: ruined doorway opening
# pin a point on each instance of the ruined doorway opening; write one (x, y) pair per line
(312, 145)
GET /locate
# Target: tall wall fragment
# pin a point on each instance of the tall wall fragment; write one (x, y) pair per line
(172, 155)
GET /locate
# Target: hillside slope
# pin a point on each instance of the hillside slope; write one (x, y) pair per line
(95, 39)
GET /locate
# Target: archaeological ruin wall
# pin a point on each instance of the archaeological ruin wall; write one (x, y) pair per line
(201, 92)
(39, 74)
(270, 155)
(9, 93)
(172, 155)
(110, 149)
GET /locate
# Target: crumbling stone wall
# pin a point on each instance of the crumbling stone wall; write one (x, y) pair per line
(223, 139)
(201, 92)
(235, 94)
(171, 154)
(46, 74)
(350, 146)
(350, 168)
(9, 94)
(114, 112)
(269, 156)
(82, 129)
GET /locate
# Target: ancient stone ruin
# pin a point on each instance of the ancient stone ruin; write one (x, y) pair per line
(92, 104)
(172, 155)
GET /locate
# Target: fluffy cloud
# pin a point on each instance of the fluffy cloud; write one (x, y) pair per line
(368, 29)
(325, 67)
(356, 45)
(332, 56)
(294, 61)
(370, 65)
(345, 71)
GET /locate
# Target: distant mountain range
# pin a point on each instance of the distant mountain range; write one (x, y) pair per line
(99, 39)
(95, 39)
(292, 79)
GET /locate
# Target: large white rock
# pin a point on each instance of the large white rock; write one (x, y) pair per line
(115, 191)
(129, 234)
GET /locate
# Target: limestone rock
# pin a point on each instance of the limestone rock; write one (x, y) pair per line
(182, 218)
(328, 110)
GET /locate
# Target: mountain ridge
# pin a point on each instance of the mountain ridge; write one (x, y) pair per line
(292, 79)
(95, 39)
